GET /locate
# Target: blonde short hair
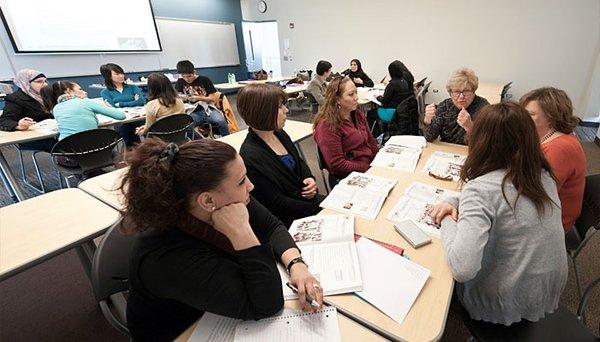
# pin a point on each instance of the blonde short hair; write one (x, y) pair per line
(463, 77)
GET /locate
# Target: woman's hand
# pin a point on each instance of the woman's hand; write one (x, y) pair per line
(429, 114)
(24, 124)
(358, 80)
(464, 120)
(233, 221)
(438, 211)
(305, 282)
(140, 130)
(311, 188)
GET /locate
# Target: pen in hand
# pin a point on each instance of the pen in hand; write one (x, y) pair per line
(309, 298)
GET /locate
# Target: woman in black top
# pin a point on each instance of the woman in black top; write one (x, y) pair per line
(203, 243)
(23, 108)
(284, 183)
(357, 75)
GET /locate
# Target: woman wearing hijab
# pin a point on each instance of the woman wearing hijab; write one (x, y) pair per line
(357, 75)
(24, 107)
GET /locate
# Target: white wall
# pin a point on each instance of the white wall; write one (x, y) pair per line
(533, 43)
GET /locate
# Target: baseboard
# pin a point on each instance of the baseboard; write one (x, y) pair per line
(589, 124)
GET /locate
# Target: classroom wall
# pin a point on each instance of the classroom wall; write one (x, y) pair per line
(209, 10)
(533, 43)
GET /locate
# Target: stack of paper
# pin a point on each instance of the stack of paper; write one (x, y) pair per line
(413, 206)
(372, 95)
(445, 165)
(134, 112)
(45, 126)
(360, 194)
(327, 245)
(391, 282)
(400, 152)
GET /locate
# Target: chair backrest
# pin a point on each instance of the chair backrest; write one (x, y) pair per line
(90, 149)
(310, 97)
(172, 128)
(504, 94)
(110, 265)
(420, 84)
(421, 103)
(590, 208)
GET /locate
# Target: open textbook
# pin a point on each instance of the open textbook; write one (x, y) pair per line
(290, 325)
(360, 194)
(412, 141)
(413, 206)
(397, 157)
(444, 165)
(328, 247)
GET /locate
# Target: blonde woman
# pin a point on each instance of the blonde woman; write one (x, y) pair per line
(453, 118)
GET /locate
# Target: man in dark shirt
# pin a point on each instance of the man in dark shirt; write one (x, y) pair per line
(197, 88)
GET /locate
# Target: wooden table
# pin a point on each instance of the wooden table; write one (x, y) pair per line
(103, 187)
(490, 91)
(289, 89)
(40, 228)
(427, 318)
(349, 330)
(229, 86)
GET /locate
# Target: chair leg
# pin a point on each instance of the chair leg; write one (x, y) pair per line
(42, 188)
(577, 278)
(37, 170)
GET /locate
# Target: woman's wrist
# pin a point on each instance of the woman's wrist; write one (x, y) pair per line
(243, 238)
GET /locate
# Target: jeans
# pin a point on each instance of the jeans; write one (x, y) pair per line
(127, 131)
(216, 118)
(39, 145)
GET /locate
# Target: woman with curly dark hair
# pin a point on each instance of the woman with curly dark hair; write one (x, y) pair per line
(203, 243)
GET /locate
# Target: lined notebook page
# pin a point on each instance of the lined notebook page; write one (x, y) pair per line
(214, 328)
(298, 327)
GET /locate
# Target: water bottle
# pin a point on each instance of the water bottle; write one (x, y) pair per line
(229, 78)
(233, 80)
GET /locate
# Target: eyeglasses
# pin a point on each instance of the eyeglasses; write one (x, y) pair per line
(464, 93)
(40, 80)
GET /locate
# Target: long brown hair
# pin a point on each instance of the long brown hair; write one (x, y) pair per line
(557, 106)
(504, 137)
(163, 179)
(159, 87)
(329, 110)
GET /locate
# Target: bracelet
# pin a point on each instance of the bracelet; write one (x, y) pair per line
(295, 261)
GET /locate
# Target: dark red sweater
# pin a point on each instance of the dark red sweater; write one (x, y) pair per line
(349, 148)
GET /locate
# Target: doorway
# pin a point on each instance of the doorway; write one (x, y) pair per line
(261, 42)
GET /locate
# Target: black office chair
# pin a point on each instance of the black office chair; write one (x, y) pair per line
(110, 276)
(504, 96)
(331, 180)
(172, 128)
(91, 151)
(418, 85)
(421, 105)
(586, 225)
(561, 325)
(314, 106)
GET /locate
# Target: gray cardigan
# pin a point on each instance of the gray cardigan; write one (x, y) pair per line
(510, 265)
(317, 87)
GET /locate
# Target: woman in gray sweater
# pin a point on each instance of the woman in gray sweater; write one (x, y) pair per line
(503, 237)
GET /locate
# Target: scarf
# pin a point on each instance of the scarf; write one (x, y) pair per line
(23, 81)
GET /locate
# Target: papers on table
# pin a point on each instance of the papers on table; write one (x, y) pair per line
(290, 325)
(327, 245)
(445, 165)
(391, 283)
(372, 95)
(412, 141)
(45, 126)
(359, 194)
(401, 152)
(413, 205)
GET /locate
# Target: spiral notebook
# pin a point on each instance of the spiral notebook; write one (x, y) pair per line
(300, 326)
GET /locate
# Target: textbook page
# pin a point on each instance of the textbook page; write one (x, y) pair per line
(322, 228)
(391, 283)
(397, 157)
(301, 326)
(368, 182)
(335, 265)
(413, 206)
(412, 141)
(442, 164)
(351, 200)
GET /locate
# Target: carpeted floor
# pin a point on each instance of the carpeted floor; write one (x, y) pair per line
(54, 302)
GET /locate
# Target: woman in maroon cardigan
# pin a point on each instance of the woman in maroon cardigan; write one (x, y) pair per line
(341, 131)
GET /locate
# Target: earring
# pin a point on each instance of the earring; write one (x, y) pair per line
(213, 208)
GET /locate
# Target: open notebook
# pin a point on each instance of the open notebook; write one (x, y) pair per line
(289, 325)
(360, 194)
(328, 247)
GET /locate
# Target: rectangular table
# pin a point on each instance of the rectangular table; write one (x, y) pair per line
(427, 318)
(103, 186)
(42, 227)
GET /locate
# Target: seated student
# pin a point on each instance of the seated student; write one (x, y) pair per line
(397, 89)
(162, 101)
(453, 118)
(120, 94)
(200, 89)
(203, 244)
(357, 75)
(317, 85)
(73, 111)
(552, 112)
(283, 182)
(341, 131)
(24, 107)
(503, 239)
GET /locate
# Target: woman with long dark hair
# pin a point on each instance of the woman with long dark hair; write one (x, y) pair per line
(162, 101)
(503, 238)
(203, 244)
(357, 75)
